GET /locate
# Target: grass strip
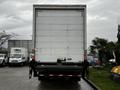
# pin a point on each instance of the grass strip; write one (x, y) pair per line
(101, 77)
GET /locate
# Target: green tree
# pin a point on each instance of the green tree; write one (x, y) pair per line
(117, 53)
(92, 49)
(117, 47)
(100, 44)
(110, 48)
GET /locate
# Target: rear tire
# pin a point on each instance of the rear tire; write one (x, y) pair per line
(9, 65)
(75, 79)
(22, 64)
(41, 78)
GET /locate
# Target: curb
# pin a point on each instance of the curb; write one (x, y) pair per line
(91, 84)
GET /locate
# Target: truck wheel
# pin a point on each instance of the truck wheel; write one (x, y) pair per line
(75, 79)
(42, 78)
(22, 64)
(39, 78)
(10, 65)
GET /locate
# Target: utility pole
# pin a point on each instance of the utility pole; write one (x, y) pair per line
(118, 34)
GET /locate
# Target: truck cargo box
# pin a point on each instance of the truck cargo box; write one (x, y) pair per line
(59, 37)
(59, 32)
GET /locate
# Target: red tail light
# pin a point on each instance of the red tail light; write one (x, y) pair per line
(33, 51)
(33, 57)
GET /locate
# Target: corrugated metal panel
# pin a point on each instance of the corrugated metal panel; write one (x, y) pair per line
(59, 34)
(20, 43)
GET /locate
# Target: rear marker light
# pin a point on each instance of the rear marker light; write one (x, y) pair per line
(70, 75)
(41, 75)
(60, 75)
(51, 75)
(79, 75)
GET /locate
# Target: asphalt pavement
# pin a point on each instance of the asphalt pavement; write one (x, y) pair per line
(16, 78)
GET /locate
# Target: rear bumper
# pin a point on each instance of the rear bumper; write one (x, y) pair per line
(15, 62)
(59, 70)
(73, 78)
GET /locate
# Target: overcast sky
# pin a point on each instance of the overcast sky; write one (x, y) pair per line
(103, 16)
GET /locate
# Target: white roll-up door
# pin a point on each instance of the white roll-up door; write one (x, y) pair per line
(59, 34)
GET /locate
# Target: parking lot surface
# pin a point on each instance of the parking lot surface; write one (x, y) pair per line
(16, 78)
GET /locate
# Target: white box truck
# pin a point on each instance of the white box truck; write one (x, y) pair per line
(59, 37)
(18, 55)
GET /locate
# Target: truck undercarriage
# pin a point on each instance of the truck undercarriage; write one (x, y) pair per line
(53, 70)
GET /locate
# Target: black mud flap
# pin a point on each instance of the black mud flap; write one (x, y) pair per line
(30, 73)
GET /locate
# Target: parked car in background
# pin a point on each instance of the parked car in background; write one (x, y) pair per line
(112, 61)
(3, 59)
(90, 60)
(96, 60)
(93, 60)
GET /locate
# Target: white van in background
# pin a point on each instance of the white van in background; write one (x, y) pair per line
(18, 55)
